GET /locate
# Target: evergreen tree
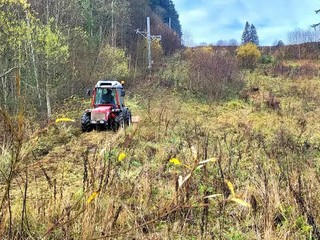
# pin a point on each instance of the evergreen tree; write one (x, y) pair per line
(154, 4)
(165, 9)
(253, 36)
(250, 34)
(280, 43)
(173, 14)
(246, 34)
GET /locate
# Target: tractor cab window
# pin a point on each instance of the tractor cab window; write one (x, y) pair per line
(105, 96)
(121, 98)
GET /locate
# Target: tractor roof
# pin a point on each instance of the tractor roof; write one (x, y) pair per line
(108, 84)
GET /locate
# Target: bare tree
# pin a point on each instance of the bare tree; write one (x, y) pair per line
(222, 43)
(295, 38)
(300, 36)
(187, 39)
(233, 42)
(203, 44)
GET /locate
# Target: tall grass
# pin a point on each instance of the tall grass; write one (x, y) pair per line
(187, 170)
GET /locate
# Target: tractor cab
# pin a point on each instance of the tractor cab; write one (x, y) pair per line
(108, 93)
(109, 111)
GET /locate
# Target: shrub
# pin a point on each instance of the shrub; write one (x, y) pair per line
(175, 74)
(303, 71)
(203, 72)
(248, 55)
(215, 74)
(266, 59)
(112, 63)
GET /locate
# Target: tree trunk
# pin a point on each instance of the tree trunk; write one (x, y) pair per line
(35, 72)
(47, 73)
(4, 88)
(48, 99)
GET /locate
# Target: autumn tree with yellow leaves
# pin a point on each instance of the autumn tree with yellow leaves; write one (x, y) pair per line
(248, 55)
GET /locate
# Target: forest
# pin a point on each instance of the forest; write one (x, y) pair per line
(60, 47)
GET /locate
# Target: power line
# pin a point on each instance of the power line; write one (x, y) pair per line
(147, 35)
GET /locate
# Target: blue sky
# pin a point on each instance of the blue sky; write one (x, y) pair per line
(212, 20)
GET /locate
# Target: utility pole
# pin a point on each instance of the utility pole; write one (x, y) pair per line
(147, 35)
(112, 25)
(149, 43)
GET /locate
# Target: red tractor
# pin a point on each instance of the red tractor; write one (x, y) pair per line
(109, 111)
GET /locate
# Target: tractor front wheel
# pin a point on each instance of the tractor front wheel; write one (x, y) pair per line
(85, 123)
(118, 123)
(114, 124)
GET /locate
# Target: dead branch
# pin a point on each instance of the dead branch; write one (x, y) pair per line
(9, 71)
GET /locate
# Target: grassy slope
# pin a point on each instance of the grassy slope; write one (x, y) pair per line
(270, 157)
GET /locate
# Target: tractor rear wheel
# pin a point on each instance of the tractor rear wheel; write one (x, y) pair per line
(85, 123)
(128, 119)
(122, 123)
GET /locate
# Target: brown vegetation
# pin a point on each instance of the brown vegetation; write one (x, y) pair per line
(150, 181)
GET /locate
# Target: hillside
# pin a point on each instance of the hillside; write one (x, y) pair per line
(261, 178)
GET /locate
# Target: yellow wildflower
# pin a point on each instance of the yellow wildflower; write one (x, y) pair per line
(175, 161)
(92, 197)
(122, 156)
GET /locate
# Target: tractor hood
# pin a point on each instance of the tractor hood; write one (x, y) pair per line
(100, 113)
(101, 109)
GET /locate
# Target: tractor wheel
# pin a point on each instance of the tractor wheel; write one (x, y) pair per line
(129, 120)
(118, 123)
(85, 123)
(115, 124)
(122, 124)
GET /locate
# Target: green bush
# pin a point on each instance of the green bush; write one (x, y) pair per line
(266, 59)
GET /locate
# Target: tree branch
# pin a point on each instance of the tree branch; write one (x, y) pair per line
(9, 71)
(317, 24)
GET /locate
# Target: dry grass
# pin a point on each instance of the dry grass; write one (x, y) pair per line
(73, 186)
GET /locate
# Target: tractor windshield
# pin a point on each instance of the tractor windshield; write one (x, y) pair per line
(105, 96)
